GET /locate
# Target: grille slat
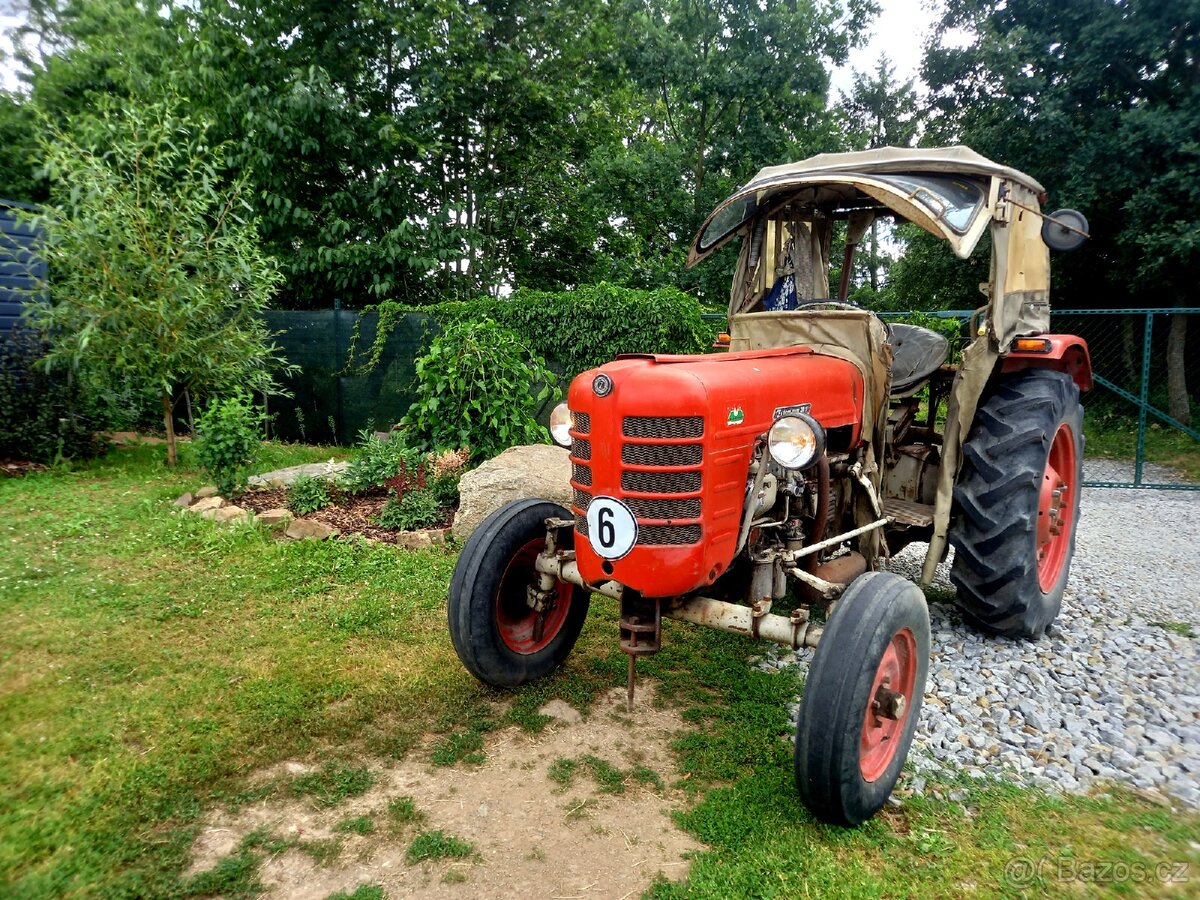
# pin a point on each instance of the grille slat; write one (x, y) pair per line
(663, 426)
(581, 448)
(581, 474)
(668, 535)
(583, 422)
(663, 509)
(580, 499)
(660, 482)
(662, 454)
(581, 525)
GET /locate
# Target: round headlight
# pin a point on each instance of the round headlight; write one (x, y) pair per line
(795, 442)
(560, 425)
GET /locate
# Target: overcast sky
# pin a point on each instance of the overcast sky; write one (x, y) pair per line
(899, 32)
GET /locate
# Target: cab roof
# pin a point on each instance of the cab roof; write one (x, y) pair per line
(957, 159)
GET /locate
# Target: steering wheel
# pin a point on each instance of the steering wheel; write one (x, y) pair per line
(826, 303)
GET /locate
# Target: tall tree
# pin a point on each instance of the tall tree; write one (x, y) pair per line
(1101, 100)
(879, 112)
(158, 273)
(730, 87)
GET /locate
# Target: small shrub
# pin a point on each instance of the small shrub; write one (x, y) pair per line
(307, 495)
(376, 460)
(415, 509)
(478, 384)
(228, 441)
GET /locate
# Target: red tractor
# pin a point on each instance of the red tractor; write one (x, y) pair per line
(786, 470)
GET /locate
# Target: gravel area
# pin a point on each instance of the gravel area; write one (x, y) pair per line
(1112, 692)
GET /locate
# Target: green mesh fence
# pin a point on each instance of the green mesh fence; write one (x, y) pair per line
(332, 401)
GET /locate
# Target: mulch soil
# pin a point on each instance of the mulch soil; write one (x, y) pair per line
(348, 513)
(15, 468)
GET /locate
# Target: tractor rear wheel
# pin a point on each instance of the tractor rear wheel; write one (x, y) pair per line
(862, 699)
(498, 636)
(1016, 504)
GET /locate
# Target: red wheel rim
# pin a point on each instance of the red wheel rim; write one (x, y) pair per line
(881, 733)
(516, 621)
(1056, 508)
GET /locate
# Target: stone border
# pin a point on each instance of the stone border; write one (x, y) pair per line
(208, 504)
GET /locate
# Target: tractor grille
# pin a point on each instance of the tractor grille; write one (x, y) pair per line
(662, 454)
(668, 535)
(663, 509)
(660, 482)
(663, 427)
(645, 449)
(580, 499)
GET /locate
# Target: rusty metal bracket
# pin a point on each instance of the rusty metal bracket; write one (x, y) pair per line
(641, 631)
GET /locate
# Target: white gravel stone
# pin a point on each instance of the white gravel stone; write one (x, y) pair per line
(1111, 693)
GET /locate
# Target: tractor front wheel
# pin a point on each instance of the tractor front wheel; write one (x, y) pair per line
(1017, 504)
(502, 639)
(862, 699)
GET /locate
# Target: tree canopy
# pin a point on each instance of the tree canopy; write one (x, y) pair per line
(424, 150)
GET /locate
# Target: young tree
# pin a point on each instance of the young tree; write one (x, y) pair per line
(157, 275)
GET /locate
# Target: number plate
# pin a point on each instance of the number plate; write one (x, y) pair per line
(612, 529)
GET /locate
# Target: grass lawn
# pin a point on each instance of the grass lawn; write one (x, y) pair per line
(149, 661)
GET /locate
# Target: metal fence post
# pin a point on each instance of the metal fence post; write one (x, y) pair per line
(1143, 402)
(339, 413)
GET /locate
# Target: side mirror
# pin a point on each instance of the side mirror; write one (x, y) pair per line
(1064, 229)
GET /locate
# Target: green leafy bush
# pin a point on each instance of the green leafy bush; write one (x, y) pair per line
(414, 509)
(574, 330)
(307, 495)
(42, 417)
(228, 441)
(478, 385)
(376, 460)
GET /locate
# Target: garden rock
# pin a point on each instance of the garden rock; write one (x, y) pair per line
(310, 529)
(414, 540)
(278, 516)
(327, 471)
(230, 514)
(205, 492)
(206, 504)
(538, 470)
(184, 500)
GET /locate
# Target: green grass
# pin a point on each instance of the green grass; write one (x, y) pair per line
(333, 784)
(150, 661)
(356, 825)
(438, 845)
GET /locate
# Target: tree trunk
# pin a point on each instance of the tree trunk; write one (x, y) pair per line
(169, 422)
(1177, 393)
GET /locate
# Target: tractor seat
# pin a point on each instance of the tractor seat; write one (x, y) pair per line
(916, 354)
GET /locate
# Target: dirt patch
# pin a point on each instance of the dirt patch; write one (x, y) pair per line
(533, 835)
(349, 513)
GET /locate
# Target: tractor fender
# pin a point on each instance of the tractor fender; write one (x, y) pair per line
(1062, 352)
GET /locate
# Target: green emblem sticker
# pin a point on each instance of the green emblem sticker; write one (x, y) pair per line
(736, 416)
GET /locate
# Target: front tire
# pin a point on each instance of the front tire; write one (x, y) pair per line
(1017, 504)
(853, 734)
(496, 634)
